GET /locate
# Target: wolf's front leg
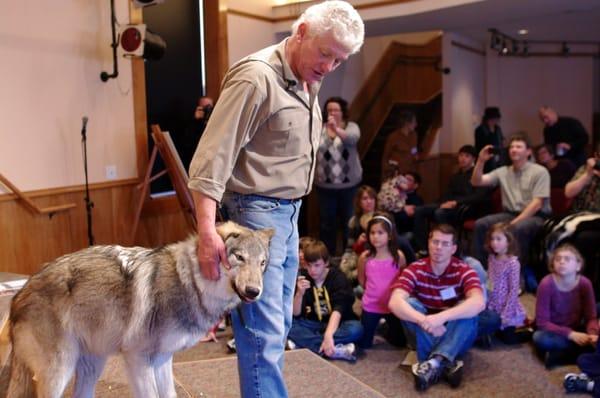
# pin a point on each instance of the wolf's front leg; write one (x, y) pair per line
(163, 373)
(141, 375)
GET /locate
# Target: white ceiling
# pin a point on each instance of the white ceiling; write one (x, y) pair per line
(561, 20)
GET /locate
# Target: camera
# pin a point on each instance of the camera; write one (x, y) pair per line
(597, 165)
(492, 151)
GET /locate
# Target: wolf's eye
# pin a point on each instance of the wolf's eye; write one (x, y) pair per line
(239, 257)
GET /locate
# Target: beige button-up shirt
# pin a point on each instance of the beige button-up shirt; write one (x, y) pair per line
(263, 134)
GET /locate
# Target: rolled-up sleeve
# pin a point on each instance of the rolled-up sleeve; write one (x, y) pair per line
(232, 123)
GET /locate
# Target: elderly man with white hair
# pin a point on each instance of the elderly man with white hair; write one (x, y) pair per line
(257, 159)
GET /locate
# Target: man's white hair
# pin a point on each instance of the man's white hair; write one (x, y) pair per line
(336, 17)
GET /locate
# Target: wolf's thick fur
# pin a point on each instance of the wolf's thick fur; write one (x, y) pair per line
(145, 303)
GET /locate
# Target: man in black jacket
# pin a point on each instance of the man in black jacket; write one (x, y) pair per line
(461, 198)
(566, 134)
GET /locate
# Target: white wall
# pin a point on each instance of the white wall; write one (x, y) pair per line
(463, 95)
(520, 85)
(52, 54)
(247, 35)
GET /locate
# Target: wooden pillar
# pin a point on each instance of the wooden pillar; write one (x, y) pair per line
(215, 45)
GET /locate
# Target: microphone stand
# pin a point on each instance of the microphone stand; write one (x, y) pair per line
(88, 203)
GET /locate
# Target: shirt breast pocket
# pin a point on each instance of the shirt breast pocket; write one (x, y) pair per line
(286, 130)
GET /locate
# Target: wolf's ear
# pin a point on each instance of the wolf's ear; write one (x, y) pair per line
(266, 235)
(229, 229)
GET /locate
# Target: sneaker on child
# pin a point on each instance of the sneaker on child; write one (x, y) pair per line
(345, 352)
(576, 382)
(290, 345)
(231, 345)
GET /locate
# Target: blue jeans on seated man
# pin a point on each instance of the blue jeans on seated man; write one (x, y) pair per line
(306, 333)
(458, 339)
(261, 328)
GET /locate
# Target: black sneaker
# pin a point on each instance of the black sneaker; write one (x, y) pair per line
(484, 341)
(453, 372)
(425, 375)
(553, 359)
(576, 382)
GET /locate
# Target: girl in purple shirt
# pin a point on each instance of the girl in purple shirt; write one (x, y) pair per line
(565, 310)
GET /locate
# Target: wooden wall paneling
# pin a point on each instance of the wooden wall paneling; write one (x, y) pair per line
(29, 240)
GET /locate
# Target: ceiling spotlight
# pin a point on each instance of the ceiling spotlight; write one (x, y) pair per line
(504, 49)
(523, 32)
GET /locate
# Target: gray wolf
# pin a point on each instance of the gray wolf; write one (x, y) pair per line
(144, 303)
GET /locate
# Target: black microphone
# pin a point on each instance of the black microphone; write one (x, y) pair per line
(84, 120)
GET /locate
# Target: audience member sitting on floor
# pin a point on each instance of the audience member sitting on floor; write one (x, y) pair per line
(490, 133)
(405, 218)
(438, 299)
(302, 243)
(460, 200)
(323, 318)
(525, 192)
(401, 151)
(565, 310)
(504, 311)
(365, 202)
(566, 134)
(561, 170)
(589, 380)
(377, 268)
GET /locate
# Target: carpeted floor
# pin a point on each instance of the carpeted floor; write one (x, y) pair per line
(209, 370)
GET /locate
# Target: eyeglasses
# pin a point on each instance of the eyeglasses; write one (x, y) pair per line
(443, 243)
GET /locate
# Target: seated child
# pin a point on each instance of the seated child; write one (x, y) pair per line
(565, 310)
(504, 311)
(377, 268)
(323, 318)
(302, 243)
(589, 380)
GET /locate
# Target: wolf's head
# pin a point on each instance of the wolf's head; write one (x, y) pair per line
(248, 255)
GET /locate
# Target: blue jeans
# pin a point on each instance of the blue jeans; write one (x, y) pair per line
(370, 321)
(309, 334)
(459, 337)
(489, 322)
(548, 341)
(334, 203)
(261, 328)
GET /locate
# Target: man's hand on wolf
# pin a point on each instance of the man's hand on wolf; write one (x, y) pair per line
(211, 251)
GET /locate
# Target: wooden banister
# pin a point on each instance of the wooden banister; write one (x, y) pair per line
(30, 205)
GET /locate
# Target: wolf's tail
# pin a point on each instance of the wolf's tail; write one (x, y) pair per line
(21, 379)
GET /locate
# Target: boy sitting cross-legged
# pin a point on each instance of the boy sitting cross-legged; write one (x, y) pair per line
(323, 318)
